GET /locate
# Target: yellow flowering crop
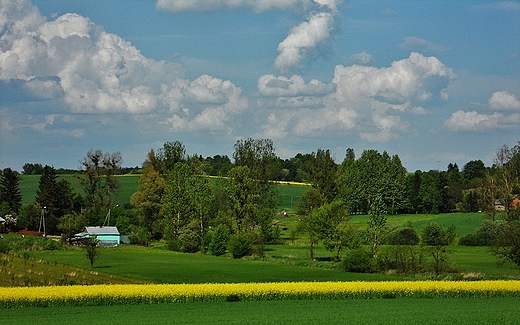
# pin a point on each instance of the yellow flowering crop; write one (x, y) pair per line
(160, 293)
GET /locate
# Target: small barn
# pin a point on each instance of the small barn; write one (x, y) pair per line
(106, 236)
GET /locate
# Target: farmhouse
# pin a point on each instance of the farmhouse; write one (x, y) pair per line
(107, 236)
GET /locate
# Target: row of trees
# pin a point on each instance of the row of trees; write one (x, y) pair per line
(178, 202)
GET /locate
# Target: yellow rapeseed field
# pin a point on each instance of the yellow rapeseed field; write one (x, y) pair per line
(158, 293)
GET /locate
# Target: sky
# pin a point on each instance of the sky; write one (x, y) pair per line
(435, 82)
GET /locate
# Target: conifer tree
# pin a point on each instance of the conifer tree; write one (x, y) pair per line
(10, 190)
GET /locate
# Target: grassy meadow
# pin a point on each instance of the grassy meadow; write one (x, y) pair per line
(355, 311)
(29, 186)
(285, 262)
(288, 193)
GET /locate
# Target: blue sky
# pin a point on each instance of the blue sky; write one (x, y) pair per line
(435, 82)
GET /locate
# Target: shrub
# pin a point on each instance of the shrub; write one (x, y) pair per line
(438, 237)
(239, 245)
(190, 237)
(402, 258)
(174, 245)
(139, 236)
(483, 236)
(435, 235)
(219, 240)
(358, 260)
(469, 240)
(403, 236)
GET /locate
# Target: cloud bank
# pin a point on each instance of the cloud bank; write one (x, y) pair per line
(508, 118)
(369, 101)
(86, 70)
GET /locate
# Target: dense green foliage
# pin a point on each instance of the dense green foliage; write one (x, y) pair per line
(10, 195)
(176, 201)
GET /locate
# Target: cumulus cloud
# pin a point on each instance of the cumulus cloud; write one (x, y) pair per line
(476, 122)
(503, 100)
(74, 61)
(369, 101)
(362, 58)
(269, 85)
(257, 5)
(205, 103)
(418, 44)
(302, 39)
(414, 79)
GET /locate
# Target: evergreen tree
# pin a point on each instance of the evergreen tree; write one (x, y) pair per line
(48, 197)
(55, 197)
(10, 190)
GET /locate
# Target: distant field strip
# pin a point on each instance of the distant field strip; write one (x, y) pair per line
(182, 293)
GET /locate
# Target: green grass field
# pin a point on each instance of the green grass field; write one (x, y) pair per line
(158, 265)
(284, 262)
(357, 311)
(287, 194)
(29, 186)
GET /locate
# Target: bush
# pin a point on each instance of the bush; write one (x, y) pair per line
(219, 240)
(469, 240)
(139, 236)
(403, 236)
(174, 245)
(358, 260)
(402, 258)
(239, 245)
(483, 236)
(435, 235)
(190, 237)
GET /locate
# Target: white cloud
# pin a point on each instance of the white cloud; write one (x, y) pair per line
(478, 122)
(362, 58)
(503, 100)
(409, 79)
(204, 103)
(302, 39)
(419, 44)
(474, 121)
(257, 5)
(369, 101)
(87, 70)
(269, 85)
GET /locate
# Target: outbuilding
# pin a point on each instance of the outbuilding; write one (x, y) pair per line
(106, 236)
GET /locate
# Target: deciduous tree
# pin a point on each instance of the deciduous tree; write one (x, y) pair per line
(99, 181)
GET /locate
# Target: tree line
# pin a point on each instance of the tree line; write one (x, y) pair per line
(177, 202)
